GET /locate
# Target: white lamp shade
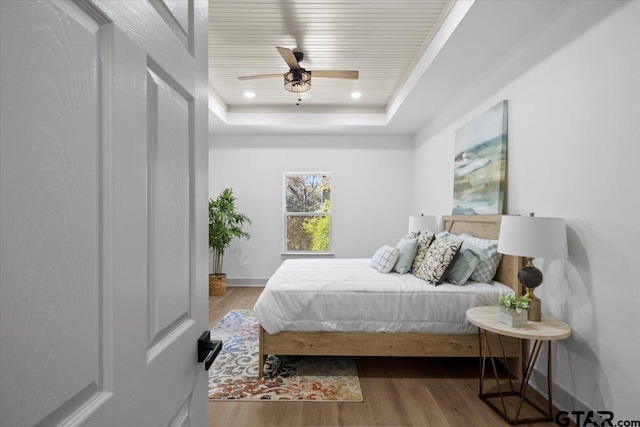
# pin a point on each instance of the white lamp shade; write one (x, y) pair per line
(533, 237)
(419, 223)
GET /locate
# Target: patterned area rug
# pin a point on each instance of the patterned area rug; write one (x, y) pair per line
(234, 373)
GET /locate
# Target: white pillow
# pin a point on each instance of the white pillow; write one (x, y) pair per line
(385, 258)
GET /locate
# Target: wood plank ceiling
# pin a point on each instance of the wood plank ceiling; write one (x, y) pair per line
(383, 40)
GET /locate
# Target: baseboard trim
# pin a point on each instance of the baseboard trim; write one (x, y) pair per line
(562, 399)
(246, 282)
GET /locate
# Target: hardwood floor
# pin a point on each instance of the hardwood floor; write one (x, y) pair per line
(397, 391)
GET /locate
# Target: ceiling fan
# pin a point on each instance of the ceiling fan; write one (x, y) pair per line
(297, 79)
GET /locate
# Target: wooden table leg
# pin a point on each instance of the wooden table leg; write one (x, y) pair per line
(261, 356)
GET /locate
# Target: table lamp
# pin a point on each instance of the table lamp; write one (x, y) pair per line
(418, 223)
(532, 237)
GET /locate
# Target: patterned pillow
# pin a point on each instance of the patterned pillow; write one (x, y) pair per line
(412, 235)
(425, 239)
(486, 269)
(439, 256)
(447, 235)
(385, 258)
(407, 249)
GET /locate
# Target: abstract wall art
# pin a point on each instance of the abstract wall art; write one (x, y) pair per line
(480, 163)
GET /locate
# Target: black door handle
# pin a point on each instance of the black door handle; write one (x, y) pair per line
(207, 349)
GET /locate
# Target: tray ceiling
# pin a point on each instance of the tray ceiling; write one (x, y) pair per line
(415, 58)
(383, 40)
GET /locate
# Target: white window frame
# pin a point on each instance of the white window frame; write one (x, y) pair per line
(286, 214)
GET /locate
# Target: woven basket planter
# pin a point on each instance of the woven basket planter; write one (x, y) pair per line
(217, 284)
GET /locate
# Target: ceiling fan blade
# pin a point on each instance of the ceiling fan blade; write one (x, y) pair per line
(259, 76)
(336, 74)
(289, 57)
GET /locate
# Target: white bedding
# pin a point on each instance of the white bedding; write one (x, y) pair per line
(349, 295)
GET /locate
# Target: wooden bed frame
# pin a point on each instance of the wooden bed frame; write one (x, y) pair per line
(406, 344)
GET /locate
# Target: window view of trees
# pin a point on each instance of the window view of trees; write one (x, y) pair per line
(307, 212)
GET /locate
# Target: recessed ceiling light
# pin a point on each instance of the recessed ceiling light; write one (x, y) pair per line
(356, 95)
(248, 94)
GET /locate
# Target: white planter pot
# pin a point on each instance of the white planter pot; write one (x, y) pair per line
(512, 317)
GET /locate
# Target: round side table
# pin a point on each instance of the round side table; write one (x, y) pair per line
(548, 329)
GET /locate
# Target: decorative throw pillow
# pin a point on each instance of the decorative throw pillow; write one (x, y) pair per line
(412, 235)
(463, 265)
(385, 258)
(447, 235)
(424, 241)
(407, 249)
(439, 257)
(486, 269)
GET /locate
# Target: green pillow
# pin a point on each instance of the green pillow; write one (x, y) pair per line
(407, 249)
(463, 265)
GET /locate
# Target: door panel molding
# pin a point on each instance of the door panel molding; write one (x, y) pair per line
(124, 206)
(167, 336)
(142, 24)
(51, 238)
(182, 416)
(74, 206)
(169, 137)
(176, 16)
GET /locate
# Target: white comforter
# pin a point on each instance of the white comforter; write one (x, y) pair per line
(349, 295)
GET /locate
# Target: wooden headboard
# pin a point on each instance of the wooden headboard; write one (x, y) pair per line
(487, 227)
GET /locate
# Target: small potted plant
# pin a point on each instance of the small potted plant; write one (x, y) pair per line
(224, 225)
(513, 311)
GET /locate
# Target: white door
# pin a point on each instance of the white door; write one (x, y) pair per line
(103, 212)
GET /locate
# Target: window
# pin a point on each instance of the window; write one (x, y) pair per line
(307, 212)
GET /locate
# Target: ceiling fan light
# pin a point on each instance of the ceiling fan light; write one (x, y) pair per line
(356, 95)
(249, 94)
(297, 81)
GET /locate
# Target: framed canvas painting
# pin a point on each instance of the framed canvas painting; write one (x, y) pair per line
(480, 163)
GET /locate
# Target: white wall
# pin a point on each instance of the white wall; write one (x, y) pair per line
(372, 192)
(574, 147)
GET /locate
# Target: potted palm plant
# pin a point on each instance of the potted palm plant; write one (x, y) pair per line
(225, 224)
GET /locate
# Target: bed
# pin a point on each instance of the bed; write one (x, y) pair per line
(372, 329)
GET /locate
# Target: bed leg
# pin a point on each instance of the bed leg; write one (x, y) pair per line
(261, 356)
